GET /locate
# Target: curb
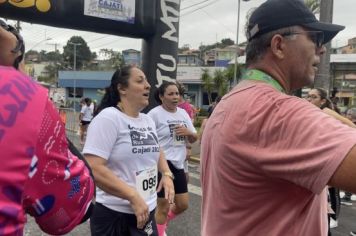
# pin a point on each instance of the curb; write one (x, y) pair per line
(195, 159)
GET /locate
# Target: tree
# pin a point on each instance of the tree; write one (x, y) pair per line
(227, 42)
(208, 84)
(313, 5)
(220, 82)
(83, 53)
(114, 58)
(229, 73)
(50, 78)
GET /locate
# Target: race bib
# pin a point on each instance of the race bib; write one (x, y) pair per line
(146, 182)
(178, 140)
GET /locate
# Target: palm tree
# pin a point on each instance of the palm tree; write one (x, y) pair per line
(229, 73)
(208, 83)
(313, 5)
(220, 82)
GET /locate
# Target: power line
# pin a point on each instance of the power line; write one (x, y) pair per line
(194, 5)
(197, 9)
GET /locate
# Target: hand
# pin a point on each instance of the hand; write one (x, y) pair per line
(181, 130)
(167, 183)
(140, 209)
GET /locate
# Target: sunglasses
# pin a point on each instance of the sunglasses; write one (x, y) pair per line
(317, 37)
(20, 43)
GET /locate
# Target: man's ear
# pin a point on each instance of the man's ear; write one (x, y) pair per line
(278, 46)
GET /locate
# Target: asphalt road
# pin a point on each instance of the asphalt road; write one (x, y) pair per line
(188, 223)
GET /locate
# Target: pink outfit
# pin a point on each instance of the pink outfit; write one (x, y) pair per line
(188, 108)
(38, 174)
(266, 160)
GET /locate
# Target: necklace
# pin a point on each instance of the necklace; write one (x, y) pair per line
(121, 108)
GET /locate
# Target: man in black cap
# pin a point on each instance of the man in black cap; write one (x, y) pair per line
(267, 157)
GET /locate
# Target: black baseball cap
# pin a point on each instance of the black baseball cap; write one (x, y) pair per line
(276, 14)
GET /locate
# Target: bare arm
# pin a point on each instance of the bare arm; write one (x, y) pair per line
(345, 175)
(166, 181)
(339, 117)
(110, 183)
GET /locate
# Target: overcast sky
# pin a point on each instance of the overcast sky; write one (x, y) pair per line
(204, 23)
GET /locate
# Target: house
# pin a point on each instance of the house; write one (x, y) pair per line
(132, 57)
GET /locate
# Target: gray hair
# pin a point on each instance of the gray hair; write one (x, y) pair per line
(257, 47)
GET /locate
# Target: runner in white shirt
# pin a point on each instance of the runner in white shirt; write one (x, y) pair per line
(122, 149)
(174, 129)
(86, 115)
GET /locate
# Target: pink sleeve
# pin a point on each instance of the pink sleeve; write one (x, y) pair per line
(59, 189)
(299, 143)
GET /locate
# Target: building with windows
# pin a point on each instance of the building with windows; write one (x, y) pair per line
(132, 57)
(343, 74)
(81, 84)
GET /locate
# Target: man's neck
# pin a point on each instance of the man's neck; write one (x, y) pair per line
(275, 72)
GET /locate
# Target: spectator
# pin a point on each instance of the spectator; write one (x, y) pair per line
(267, 157)
(346, 199)
(41, 174)
(318, 97)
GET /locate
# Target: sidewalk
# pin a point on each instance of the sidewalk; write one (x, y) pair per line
(195, 157)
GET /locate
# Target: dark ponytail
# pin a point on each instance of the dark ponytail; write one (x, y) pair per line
(112, 96)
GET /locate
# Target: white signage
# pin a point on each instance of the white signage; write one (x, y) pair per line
(119, 10)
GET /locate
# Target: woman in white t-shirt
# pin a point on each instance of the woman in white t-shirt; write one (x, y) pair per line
(174, 129)
(123, 152)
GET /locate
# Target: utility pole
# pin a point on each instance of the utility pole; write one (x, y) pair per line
(55, 61)
(18, 26)
(323, 78)
(74, 69)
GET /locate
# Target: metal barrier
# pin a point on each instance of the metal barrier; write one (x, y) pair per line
(70, 118)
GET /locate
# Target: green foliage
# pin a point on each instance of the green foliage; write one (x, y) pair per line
(198, 121)
(208, 83)
(313, 5)
(83, 53)
(113, 59)
(221, 83)
(224, 43)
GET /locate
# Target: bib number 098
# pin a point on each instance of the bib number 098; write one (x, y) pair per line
(149, 183)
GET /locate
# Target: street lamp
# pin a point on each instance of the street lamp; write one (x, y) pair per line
(74, 69)
(237, 39)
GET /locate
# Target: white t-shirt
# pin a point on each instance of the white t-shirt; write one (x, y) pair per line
(87, 112)
(174, 146)
(130, 146)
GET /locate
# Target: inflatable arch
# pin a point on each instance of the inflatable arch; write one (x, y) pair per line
(156, 22)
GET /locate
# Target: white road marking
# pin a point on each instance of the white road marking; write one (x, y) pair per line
(194, 189)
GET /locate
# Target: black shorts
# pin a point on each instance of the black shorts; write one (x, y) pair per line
(84, 122)
(105, 221)
(180, 181)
